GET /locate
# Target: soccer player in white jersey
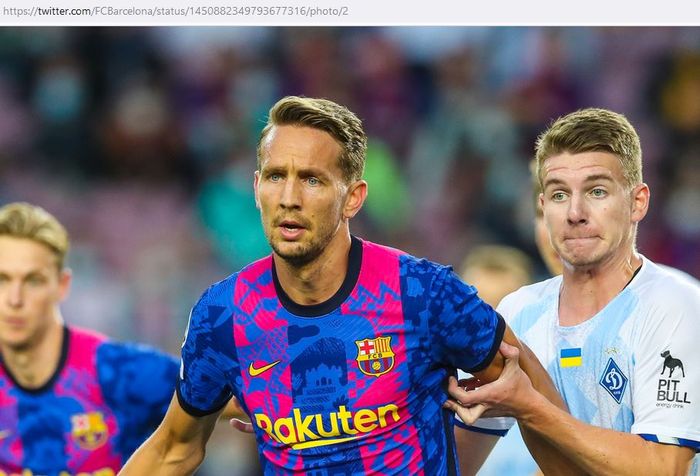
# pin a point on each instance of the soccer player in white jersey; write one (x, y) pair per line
(617, 333)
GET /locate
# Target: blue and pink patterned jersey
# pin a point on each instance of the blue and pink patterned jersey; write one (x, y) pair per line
(351, 386)
(102, 402)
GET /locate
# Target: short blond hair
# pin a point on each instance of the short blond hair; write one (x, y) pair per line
(24, 220)
(338, 121)
(593, 130)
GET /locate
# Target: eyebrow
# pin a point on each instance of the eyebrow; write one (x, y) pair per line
(302, 172)
(599, 177)
(588, 179)
(25, 274)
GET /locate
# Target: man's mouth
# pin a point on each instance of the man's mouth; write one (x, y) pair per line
(13, 321)
(291, 225)
(291, 229)
(580, 239)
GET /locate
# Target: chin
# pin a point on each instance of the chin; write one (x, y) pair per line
(585, 261)
(295, 253)
(15, 342)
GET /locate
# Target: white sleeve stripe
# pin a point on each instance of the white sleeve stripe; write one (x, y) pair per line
(670, 440)
(494, 423)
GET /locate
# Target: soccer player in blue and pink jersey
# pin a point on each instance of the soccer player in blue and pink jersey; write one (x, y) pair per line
(338, 349)
(71, 401)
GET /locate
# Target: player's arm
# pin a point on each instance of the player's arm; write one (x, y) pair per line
(603, 451)
(474, 447)
(591, 449)
(530, 364)
(176, 447)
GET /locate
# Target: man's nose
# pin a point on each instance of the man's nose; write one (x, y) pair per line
(15, 295)
(578, 210)
(291, 197)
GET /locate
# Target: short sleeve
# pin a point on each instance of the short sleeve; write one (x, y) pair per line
(666, 380)
(465, 331)
(496, 425)
(208, 357)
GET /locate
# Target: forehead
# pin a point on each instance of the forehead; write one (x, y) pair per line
(581, 167)
(18, 255)
(300, 146)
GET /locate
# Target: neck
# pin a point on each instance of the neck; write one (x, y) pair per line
(33, 365)
(318, 280)
(587, 290)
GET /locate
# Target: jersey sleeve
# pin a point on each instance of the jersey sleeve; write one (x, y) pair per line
(465, 331)
(208, 357)
(498, 426)
(137, 382)
(666, 380)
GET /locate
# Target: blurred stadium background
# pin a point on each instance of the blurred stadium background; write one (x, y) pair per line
(142, 141)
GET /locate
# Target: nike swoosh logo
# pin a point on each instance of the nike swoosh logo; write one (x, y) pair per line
(4, 434)
(255, 372)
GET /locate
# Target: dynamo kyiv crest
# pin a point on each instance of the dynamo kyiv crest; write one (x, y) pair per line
(614, 381)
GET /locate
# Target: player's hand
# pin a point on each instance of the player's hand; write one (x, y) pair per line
(506, 396)
(242, 426)
(469, 384)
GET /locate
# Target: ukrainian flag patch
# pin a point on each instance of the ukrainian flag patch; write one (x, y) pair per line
(570, 357)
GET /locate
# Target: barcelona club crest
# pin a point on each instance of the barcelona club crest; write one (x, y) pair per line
(89, 430)
(374, 356)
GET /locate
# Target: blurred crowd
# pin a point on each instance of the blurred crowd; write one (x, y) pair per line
(142, 141)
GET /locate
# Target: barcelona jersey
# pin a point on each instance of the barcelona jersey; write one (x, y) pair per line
(103, 400)
(351, 386)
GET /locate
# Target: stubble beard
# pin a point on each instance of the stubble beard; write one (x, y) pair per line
(301, 254)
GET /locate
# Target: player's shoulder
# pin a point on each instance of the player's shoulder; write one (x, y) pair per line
(84, 343)
(529, 295)
(112, 350)
(412, 265)
(664, 284)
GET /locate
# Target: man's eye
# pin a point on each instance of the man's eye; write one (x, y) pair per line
(35, 280)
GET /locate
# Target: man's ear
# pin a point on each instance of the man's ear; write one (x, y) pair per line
(256, 182)
(640, 202)
(357, 193)
(64, 281)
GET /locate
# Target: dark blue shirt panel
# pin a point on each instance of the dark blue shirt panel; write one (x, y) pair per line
(138, 383)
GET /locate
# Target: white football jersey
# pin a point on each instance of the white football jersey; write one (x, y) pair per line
(631, 366)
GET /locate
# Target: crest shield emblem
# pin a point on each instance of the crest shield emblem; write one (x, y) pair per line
(89, 430)
(374, 356)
